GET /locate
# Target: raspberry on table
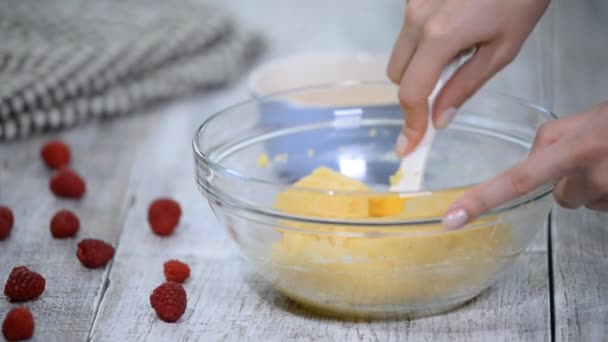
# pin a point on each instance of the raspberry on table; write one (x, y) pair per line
(18, 325)
(6, 222)
(169, 300)
(94, 253)
(24, 284)
(164, 215)
(176, 271)
(56, 154)
(64, 224)
(67, 183)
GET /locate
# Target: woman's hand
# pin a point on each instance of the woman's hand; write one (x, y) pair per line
(572, 151)
(433, 32)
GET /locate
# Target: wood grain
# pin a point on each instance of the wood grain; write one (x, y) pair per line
(229, 303)
(67, 308)
(580, 254)
(165, 168)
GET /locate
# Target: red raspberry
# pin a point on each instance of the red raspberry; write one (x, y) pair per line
(18, 325)
(6, 222)
(176, 271)
(169, 300)
(23, 284)
(64, 224)
(56, 154)
(94, 253)
(67, 183)
(163, 216)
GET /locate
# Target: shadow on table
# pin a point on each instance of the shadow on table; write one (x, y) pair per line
(268, 294)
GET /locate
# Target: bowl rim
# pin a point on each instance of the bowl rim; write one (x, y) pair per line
(310, 58)
(235, 202)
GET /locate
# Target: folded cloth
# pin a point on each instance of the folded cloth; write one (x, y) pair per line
(63, 62)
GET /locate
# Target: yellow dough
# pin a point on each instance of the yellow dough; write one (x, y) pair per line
(263, 160)
(331, 266)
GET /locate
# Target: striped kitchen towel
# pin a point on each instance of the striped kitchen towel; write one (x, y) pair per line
(63, 62)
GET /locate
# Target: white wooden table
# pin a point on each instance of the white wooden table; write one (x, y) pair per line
(557, 291)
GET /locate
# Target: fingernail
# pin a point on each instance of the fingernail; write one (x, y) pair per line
(401, 144)
(455, 219)
(444, 118)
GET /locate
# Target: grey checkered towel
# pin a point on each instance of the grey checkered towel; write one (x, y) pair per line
(63, 62)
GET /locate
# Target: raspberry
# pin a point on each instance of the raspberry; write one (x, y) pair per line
(6, 222)
(18, 325)
(176, 271)
(169, 301)
(67, 183)
(23, 284)
(163, 216)
(94, 253)
(56, 154)
(64, 224)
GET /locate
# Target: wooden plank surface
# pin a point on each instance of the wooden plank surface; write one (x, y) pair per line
(228, 304)
(165, 168)
(580, 264)
(66, 310)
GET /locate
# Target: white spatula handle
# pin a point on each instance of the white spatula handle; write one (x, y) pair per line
(414, 163)
(450, 70)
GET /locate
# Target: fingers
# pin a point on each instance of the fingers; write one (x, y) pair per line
(538, 169)
(574, 191)
(586, 187)
(417, 13)
(553, 131)
(599, 204)
(467, 80)
(402, 53)
(418, 81)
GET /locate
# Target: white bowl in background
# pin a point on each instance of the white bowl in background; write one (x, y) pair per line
(300, 71)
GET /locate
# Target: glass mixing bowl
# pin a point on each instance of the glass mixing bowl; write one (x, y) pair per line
(349, 246)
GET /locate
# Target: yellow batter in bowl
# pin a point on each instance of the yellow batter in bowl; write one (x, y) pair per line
(350, 270)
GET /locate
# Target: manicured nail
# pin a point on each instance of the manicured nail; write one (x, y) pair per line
(455, 219)
(401, 144)
(444, 118)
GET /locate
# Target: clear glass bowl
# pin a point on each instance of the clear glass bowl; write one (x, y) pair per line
(349, 252)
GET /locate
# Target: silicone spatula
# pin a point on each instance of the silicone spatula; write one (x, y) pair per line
(413, 165)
